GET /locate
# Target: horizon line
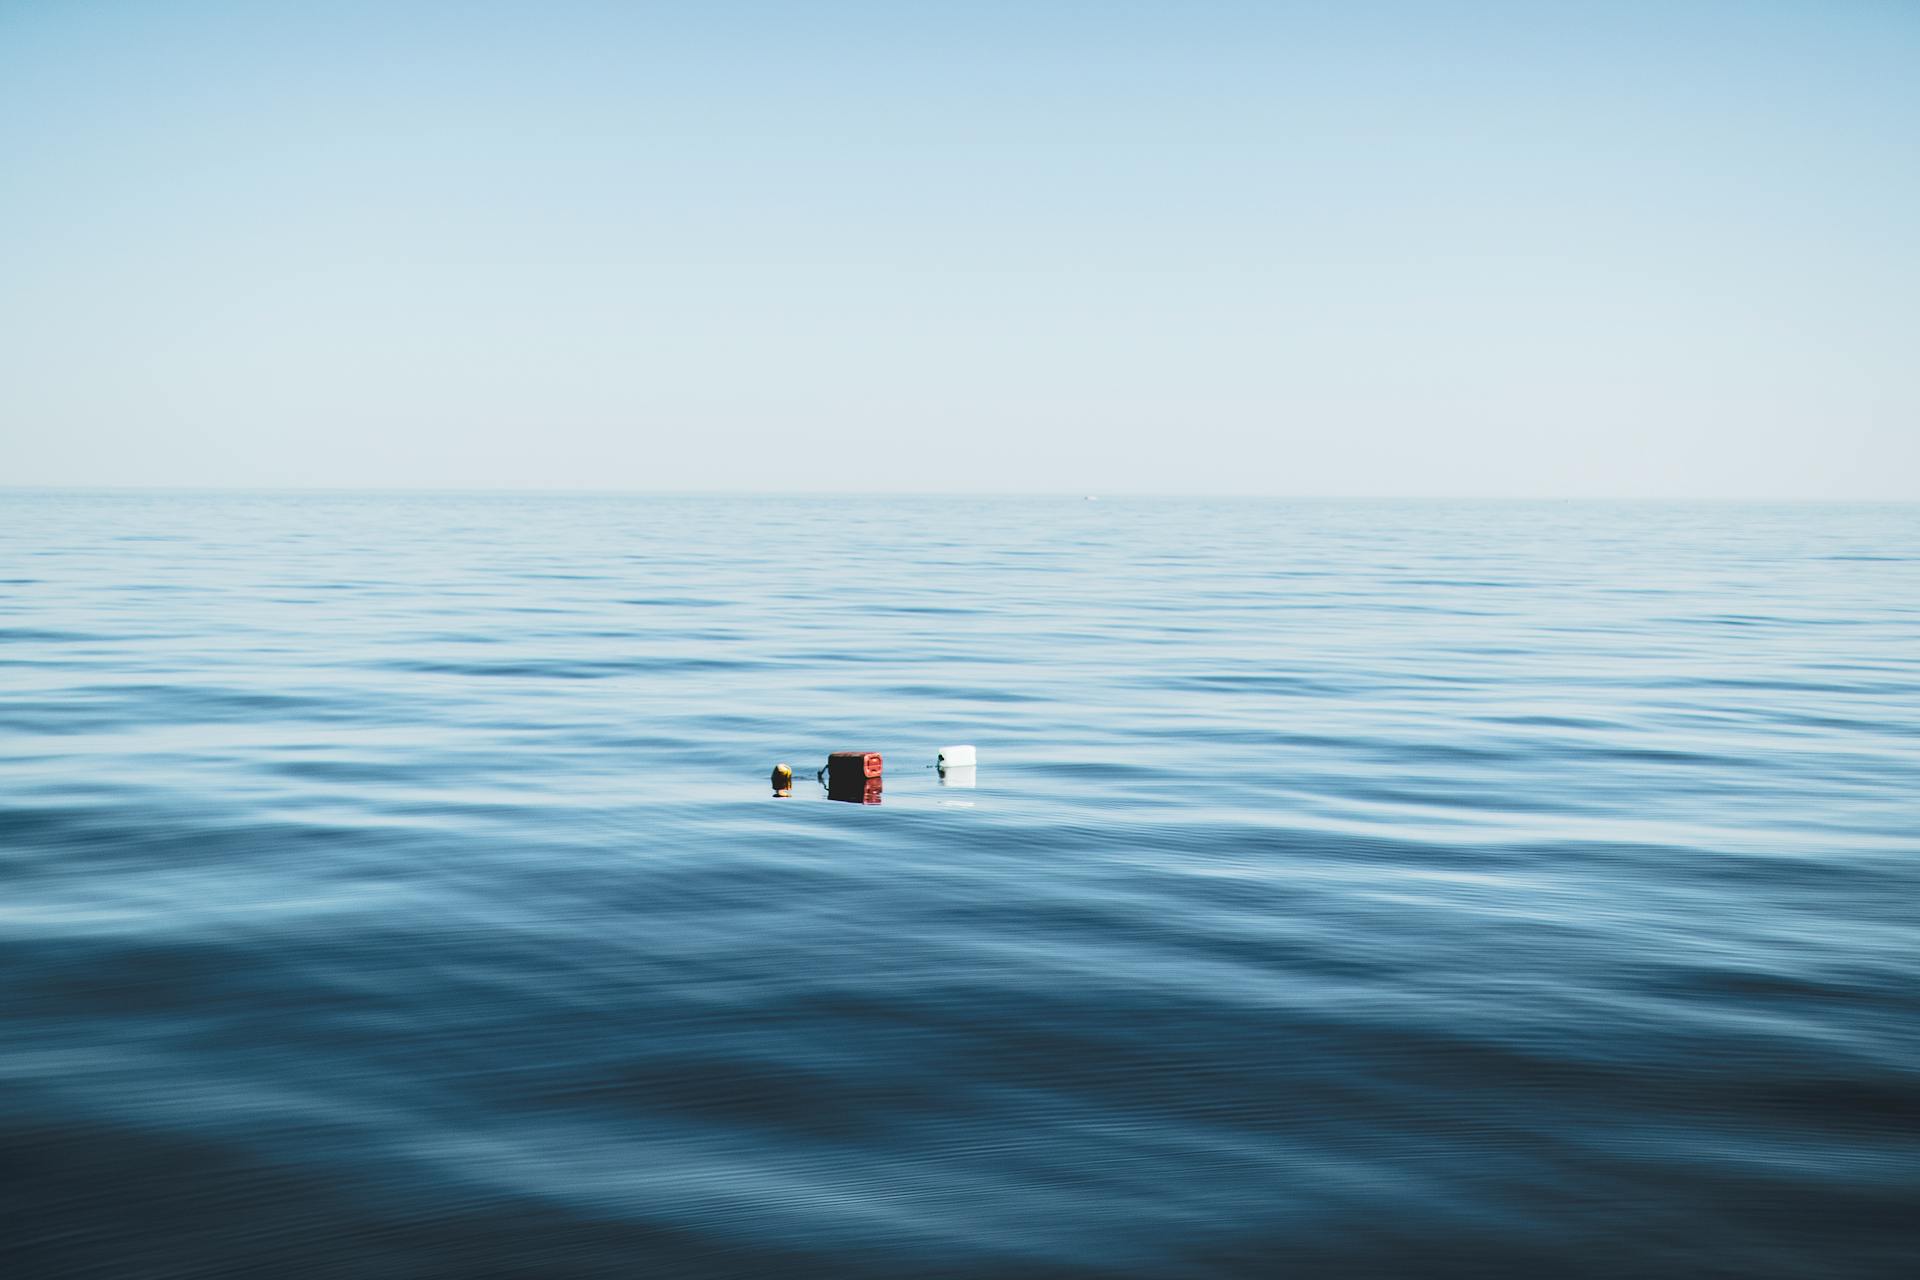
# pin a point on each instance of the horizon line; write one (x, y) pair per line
(1063, 494)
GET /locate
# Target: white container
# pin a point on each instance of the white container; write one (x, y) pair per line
(955, 758)
(959, 775)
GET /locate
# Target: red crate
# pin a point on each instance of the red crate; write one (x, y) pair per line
(849, 766)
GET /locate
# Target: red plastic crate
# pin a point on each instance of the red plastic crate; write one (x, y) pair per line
(848, 766)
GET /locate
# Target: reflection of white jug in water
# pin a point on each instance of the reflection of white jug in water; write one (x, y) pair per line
(955, 765)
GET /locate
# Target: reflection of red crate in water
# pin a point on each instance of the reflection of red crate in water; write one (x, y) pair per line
(854, 776)
(855, 790)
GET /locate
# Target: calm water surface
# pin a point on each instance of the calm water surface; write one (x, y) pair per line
(392, 888)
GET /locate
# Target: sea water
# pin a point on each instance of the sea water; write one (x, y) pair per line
(392, 887)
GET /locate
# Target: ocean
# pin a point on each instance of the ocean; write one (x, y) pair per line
(393, 887)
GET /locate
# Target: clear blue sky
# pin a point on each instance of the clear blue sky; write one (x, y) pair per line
(1533, 249)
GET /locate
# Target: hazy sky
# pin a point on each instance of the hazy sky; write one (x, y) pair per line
(1530, 248)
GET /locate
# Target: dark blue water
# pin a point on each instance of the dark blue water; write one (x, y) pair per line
(392, 888)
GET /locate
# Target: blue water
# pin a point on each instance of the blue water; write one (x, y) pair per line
(392, 888)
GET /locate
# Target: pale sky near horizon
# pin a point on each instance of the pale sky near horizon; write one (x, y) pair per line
(1626, 249)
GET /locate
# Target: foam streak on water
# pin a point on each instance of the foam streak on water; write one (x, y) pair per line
(392, 889)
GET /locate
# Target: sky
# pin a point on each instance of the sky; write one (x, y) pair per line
(1482, 249)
